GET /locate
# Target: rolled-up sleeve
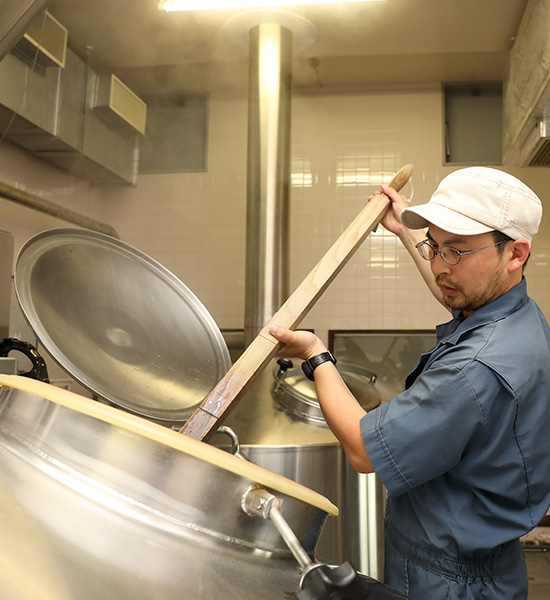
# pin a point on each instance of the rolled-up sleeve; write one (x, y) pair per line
(422, 433)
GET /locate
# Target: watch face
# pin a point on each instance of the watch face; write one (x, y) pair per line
(308, 370)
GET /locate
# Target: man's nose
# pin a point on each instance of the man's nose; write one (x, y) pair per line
(439, 266)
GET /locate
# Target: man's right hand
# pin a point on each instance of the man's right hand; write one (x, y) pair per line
(297, 344)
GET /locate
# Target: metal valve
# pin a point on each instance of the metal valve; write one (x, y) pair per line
(259, 502)
(319, 581)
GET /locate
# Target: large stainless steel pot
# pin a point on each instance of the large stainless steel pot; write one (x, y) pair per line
(280, 426)
(133, 334)
(98, 503)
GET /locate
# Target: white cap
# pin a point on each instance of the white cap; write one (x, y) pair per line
(478, 200)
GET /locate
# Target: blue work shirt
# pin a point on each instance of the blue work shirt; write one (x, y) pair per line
(463, 451)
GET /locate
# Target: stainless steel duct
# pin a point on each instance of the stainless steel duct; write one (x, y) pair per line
(269, 109)
(17, 15)
(270, 36)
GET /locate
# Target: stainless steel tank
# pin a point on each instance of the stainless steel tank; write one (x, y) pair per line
(280, 426)
(97, 503)
(133, 334)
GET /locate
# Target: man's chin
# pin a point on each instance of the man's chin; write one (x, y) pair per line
(453, 303)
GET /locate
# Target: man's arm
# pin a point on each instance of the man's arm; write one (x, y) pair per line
(409, 238)
(341, 410)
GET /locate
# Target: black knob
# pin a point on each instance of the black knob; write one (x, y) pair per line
(284, 365)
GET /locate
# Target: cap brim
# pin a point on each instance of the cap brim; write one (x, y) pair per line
(419, 217)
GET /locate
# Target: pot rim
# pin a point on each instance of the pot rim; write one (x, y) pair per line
(171, 438)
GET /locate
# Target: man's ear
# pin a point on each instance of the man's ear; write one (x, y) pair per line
(520, 253)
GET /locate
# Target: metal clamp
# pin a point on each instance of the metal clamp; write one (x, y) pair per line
(319, 581)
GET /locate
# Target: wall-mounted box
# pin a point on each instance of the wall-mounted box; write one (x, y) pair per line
(472, 124)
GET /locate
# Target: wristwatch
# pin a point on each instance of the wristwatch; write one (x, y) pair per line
(310, 365)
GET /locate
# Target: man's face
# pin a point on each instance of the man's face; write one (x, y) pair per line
(477, 279)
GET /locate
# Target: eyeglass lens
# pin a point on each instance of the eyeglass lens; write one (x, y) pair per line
(448, 254)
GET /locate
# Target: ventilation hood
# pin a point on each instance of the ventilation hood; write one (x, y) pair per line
(526, 91)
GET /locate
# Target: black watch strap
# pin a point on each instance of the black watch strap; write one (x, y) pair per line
(308, 366)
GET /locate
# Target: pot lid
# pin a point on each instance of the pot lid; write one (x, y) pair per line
(120, 323)
(296, 394)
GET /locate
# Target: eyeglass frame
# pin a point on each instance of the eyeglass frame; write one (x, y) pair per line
(459, 253)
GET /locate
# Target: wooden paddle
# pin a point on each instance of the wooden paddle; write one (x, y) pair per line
(218, 404)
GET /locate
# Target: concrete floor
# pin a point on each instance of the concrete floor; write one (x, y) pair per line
(538, 570)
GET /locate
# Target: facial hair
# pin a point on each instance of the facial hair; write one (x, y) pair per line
(475, 298)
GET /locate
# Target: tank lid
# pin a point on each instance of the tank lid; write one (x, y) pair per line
(296, 394)
(120, 323)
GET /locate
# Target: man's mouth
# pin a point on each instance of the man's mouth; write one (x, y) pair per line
(446, 288)
(447, 291)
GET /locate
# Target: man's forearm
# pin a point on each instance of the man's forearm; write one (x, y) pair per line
(409, 238)
(343, 415)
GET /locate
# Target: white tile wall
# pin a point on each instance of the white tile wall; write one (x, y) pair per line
(343, 147)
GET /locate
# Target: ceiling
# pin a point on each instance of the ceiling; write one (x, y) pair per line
(391, 42)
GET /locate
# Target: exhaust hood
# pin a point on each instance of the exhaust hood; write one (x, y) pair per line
(526, 91)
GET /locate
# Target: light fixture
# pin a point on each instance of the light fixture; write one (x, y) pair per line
(178, 5)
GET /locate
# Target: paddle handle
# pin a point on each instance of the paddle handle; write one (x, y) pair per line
(217, 405)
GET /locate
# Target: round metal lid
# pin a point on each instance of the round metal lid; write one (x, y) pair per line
(297, 395)
(120, 323)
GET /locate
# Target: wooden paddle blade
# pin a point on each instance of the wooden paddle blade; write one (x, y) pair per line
(218, 404)
(223, 398)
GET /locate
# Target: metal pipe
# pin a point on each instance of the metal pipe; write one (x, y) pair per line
(370, 525)
(290, 538)
(268, 175)
(50, 208)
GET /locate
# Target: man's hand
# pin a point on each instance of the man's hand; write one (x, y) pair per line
(297, 344)
(391, 220)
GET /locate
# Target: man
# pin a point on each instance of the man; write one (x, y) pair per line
(463, 451)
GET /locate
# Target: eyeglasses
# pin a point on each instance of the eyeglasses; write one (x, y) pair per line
(450, 255)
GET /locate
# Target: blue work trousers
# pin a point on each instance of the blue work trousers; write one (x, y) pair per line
(423, 573)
